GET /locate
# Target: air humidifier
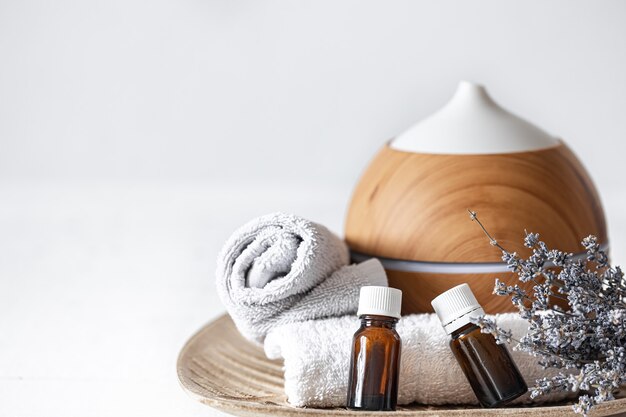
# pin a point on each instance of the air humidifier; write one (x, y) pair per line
(410, 207)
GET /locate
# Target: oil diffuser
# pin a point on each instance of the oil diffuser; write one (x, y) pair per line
(409, 208)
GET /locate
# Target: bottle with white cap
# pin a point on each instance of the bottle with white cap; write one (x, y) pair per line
(375, 360)
(488, 366)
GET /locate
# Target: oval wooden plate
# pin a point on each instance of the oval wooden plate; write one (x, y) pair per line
(218, 367)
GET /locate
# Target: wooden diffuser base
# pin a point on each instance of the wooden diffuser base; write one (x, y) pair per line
(418, 289)
(413, 207)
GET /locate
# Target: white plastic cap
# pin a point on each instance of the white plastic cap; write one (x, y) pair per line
(456, 306)
(380, 301)
(472, 123)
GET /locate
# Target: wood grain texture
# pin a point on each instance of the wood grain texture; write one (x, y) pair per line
(218, 367)
(413, 206)
(418, 289)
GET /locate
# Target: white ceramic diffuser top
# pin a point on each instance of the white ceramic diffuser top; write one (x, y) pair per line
(472, 123)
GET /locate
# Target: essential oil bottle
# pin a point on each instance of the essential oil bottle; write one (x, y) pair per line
(488, 366)
(375, 359)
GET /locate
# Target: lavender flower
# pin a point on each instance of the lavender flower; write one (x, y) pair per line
(588, 339)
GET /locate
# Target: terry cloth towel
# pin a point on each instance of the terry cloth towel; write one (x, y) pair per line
(281, 268)
(317, 357)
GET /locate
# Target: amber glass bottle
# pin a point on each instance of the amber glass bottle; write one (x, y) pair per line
(488, 366)
(375, 359)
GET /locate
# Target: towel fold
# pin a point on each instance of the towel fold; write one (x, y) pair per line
(281, 268)
(317, 355)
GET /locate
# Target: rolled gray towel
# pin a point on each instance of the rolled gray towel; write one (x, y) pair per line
(281, 268)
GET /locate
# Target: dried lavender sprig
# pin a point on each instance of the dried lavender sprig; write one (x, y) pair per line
(492, 241)
(590, 337)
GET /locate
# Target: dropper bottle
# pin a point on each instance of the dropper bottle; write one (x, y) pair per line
(375, 359)
(488, 366)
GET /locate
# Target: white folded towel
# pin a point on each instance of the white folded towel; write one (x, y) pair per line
(281, 268)
(317, 355)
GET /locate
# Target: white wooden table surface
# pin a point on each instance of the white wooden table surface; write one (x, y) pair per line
(101, 284)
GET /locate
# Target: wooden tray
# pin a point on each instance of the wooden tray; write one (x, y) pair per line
(218, 367)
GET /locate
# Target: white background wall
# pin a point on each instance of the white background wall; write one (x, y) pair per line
(235, 90)
(135, 135)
